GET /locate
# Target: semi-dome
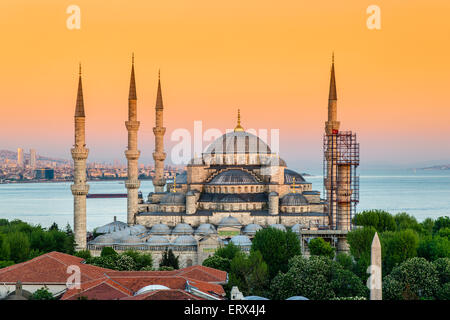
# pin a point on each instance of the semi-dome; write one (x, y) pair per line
(158, 241)
(103, 239)
(174, 198)
(289, 176)
(182, 228)
(252, 228)
(234, 176)
(294, 199)
(137, 229)
(229, 222)
(238, 142)
(278, 226)
(160, 228)
(205, 228)
(241, 240)
(185, 241)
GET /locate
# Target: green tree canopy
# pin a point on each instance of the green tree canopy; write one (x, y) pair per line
(169, 260)
(319, 247)
(397, 247)
(276, 248)
(379, 219)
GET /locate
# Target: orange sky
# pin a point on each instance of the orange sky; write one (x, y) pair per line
(270, 59)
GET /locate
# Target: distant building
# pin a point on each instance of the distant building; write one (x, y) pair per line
(20, 157)
(33, 158)
(45, 174)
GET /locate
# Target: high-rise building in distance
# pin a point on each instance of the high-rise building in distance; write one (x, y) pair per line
(33, 158)
(20, 157)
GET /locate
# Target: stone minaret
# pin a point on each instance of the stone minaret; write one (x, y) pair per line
(331, 130)
(159, 155)
(132, 153)
(79, 187)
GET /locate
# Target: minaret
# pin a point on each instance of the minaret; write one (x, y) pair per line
(79, 187)
(159, 155)
(132, 153)
(331, 132)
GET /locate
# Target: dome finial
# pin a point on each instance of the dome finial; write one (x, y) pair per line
(238, 126)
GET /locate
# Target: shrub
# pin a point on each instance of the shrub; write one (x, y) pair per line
(319, 247)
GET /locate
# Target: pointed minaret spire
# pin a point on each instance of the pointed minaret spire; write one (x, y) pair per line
(332, 95)
(132, 94)
(159, 100)
(79, 109)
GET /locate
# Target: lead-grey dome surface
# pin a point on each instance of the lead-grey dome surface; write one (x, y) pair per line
(112, 227)
(278, 226)
(297, 227)
(160, 228)
(234, 176)
(241, 240)
(185, 241)
(290, 174)
(205, 228)
(229, 222)
(174, 198)
(182, 228)
(252, 228)
(158, 241)
(238, 142)
(293, 199)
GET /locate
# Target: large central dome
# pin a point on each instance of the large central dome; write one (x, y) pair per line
(238, 142)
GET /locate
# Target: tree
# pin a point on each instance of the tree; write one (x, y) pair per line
(19, 246)
(346, 284)
(434, 247)
(413, 279)
(276, 248)
(427, 226)
(345, 260)
(169, 260)
(141, 260)
(360, 242)
(217, 262)
(85, 254)
(443, 268)
(379, 219)
(108, 252)
(228, 252)
(441, 222)
(42, 294)
(54, 226)
(397, 247)
(319, 247)
(405, 221)
(305, 277)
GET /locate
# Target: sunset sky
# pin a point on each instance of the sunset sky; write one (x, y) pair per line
(271, 59)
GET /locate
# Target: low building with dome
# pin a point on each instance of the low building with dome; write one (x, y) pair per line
(237, 187)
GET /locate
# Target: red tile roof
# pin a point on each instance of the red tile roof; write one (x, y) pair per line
(204, 273)
(49, 268)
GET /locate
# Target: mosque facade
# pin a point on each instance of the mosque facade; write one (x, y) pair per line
(235, 188)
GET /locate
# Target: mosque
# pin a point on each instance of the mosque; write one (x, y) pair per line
(235, 188)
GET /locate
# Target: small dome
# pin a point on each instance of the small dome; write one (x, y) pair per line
(103, 239)
(297, 298)
(138, 229)
(229, 222)
(183, 228)
(251, 229)
(234, 176)
(157, 241)
(294, 199)
(255, 298)
(205, 229)
(174, 198)
(297, 227)
(185, 241)
(278, 226)
(112, 227)
(152, 287)
(160, 228)
(241, 240)
(132, 239)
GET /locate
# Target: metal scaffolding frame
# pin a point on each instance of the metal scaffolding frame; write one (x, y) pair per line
(340, 149)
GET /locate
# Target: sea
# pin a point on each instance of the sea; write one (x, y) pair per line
(422, 194)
